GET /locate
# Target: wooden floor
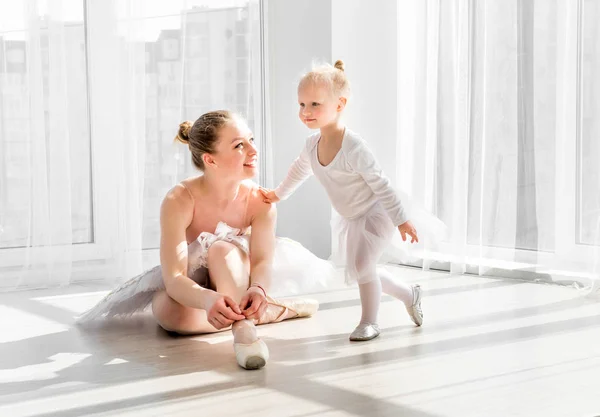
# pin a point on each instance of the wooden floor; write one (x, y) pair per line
(489, 347)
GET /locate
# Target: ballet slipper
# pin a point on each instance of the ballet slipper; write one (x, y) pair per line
(415, 311)
(251, 356)
(364, 332)
(279, 310)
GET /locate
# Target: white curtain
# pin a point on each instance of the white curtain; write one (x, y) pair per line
(91, 96)
(499, 123)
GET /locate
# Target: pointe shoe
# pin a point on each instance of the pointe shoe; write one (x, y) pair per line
(251, 356)
(364, 332)
(299, 307)
(414, 311)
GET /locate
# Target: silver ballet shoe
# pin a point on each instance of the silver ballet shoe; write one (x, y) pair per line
(364, 332)
(414, 311)
(251, 356)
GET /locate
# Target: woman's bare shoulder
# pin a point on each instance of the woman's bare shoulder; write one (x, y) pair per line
(256, 202)
(180, 197)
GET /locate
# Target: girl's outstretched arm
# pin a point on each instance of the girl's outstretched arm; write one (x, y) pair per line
(299, 172)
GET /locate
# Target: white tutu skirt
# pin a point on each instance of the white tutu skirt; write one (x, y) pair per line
(296, 270)
(359, 243)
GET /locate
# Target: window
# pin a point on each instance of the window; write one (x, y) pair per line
(41, 115)
(91, 96)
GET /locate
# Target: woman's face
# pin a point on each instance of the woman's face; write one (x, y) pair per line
(235, 154)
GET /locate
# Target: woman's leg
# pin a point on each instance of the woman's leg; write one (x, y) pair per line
(175, 317)
(229, 269)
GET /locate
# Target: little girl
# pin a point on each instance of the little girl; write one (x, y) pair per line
(369, 209)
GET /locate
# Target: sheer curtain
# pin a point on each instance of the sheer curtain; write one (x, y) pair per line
(499, 122)
(91, 97)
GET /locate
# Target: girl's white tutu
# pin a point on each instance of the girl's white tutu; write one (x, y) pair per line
(359, 243)
(296, 270)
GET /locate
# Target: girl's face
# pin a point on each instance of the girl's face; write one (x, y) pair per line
(235, 154)
(318, 106)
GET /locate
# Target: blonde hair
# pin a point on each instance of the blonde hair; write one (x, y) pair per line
(202, 135)
(332, 76)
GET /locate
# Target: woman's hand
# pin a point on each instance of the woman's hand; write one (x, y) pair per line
(222, 311)
(254, 303)
(407, 228)
(269, 195)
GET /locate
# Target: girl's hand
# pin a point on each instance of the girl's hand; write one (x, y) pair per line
(254, 303)
(222, 311)
(407, 228)
(269, 195)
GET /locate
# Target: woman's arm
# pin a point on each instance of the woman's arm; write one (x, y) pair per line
(262, 248)
(176, 215)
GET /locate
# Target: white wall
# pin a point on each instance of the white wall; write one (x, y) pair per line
(298, 33)
(364, 36)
